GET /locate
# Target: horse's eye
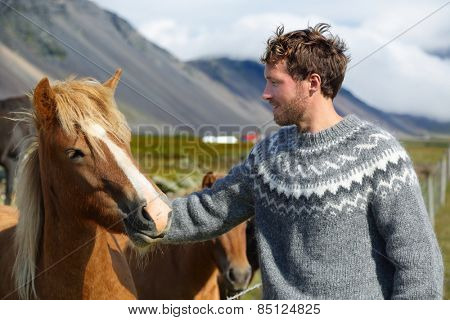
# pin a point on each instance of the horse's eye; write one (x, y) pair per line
(74, 154)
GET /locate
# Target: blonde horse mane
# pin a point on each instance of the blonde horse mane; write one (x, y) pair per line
(79, 103)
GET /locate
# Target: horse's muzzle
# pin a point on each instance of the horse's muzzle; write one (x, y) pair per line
(142, 228)
(238, 278)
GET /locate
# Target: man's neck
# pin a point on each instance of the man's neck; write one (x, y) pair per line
(318, 117)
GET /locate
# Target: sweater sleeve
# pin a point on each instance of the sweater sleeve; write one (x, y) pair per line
(403, 222)
(209, 213)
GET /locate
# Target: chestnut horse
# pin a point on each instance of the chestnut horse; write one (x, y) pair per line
(77, 187)
(193, 270)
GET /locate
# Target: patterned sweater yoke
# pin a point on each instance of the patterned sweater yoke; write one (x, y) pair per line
(339, 215)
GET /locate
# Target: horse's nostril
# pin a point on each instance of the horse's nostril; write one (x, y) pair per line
(231, 275)
(145, 214)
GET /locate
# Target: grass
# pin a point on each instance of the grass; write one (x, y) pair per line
(255, 294)
(426, 152)
(168, 154)
(184, 158)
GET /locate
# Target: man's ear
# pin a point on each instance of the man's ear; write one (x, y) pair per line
(315, 82)
(114, 80)
(44, 102)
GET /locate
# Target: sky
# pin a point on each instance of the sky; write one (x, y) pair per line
(390, 42)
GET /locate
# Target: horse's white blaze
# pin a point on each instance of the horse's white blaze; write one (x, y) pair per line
(156, 207)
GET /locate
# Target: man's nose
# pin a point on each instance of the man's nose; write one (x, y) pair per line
(266, 95)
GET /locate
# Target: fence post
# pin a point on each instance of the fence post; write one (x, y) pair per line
(443, 180)
(430, 197)
(448, 163)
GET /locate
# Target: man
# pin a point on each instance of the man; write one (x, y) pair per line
(338, 209)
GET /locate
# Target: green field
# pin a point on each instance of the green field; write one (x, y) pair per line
(426, 152)
(179, 162)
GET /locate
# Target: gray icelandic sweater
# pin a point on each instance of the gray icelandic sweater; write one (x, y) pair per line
(339, 215)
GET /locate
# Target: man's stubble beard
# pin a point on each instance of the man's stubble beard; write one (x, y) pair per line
(291, 113)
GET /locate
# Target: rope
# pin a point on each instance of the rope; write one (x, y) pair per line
(244, 292)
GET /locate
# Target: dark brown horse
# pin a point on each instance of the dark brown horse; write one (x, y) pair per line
(77, 187)
(12, 136)
(193, 270)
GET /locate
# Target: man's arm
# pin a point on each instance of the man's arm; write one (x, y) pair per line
(211, 212)
(411, 244)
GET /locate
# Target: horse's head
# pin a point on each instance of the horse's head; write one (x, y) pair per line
(230, 250)
(86, 163)
(231, 258)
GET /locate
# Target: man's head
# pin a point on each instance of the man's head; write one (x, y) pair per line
(299, 66)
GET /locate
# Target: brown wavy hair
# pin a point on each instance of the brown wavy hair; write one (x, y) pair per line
(312, 50)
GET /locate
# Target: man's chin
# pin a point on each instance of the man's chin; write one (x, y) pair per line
(281, 122)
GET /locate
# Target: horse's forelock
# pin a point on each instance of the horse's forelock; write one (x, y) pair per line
(80, 103)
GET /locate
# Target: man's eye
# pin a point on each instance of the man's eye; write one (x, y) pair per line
(74, 154)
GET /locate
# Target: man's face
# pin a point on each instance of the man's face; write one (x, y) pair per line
(287, 96)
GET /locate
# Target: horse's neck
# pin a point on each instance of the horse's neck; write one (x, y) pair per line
(79, 261)
(199, 264)
(200, 256)
(204, 267)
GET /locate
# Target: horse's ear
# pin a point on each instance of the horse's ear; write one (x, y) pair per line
(114, 80)
(208, 180)
(44, 101)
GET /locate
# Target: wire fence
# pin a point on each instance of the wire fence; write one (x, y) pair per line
(433, 181)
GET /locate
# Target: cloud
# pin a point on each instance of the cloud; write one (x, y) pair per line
(166, 33)
(394, 18)
(401, 77)
(245, 37)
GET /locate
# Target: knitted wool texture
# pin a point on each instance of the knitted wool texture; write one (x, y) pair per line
(339, 215)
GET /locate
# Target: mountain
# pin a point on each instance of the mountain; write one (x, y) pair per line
(18, 75)
(243, 77)
(57, 38)
(61, 37)
(246, 79)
